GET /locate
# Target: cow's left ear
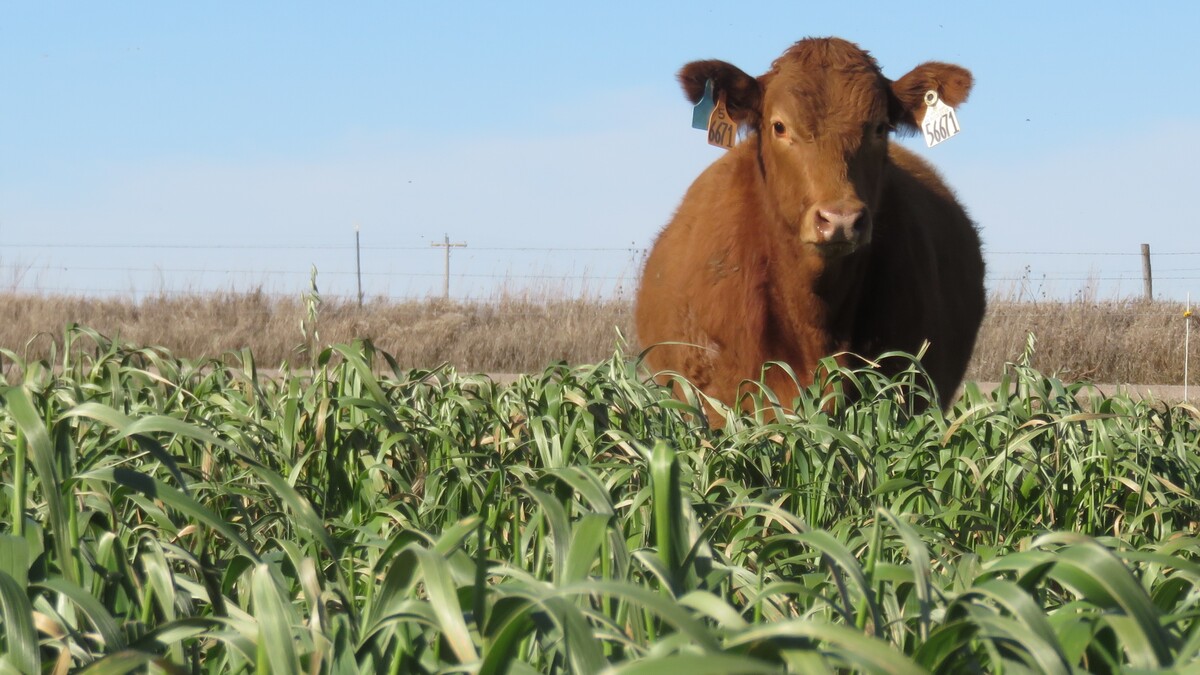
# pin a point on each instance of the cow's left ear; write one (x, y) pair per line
(951, 82)
(743, 94)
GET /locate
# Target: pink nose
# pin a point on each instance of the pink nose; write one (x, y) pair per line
(838, 224)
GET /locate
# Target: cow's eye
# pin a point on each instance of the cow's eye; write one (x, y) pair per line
(882, 129)
(779, 128)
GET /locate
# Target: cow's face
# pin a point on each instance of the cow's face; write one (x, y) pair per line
(822, 116)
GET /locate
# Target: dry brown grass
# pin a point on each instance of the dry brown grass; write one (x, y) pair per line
(1112, 341)
(508, 334)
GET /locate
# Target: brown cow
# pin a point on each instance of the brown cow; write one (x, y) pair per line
(814, 236)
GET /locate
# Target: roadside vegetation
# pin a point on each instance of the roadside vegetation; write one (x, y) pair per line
(350, 514)
(1112, 341)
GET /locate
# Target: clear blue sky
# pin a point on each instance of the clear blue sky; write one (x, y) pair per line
(272, 129)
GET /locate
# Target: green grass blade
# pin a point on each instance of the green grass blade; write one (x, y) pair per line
(20, 639)
(918, 556)
(670, 527)
(156, 489)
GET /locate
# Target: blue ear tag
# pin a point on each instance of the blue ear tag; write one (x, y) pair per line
(704, 108)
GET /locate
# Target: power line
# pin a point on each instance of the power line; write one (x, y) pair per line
(1032, 277)
(248, 247)
(1084, 253)
(305, 273)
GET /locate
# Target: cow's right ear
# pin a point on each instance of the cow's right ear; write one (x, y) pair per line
(952, 84)
(743, 94)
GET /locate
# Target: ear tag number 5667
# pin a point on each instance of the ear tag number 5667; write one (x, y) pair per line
(939, 122)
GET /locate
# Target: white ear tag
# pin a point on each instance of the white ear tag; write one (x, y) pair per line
(939, 122)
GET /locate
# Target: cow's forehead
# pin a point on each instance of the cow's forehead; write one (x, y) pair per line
(827, 80)
(826, 97)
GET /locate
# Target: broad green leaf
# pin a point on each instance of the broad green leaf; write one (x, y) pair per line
(120, 663)
(14, 558)
(587, 539)
(443, 597)
(1029, 622)
(696, 664)
(1102, 579)
(274, 616)
(502, 649)
(97, 614)
(41, 452)
(846, 644)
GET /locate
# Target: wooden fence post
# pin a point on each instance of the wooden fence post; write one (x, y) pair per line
(1147, 280)
(358, 264)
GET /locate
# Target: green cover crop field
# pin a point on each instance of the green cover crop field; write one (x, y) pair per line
(350, 516)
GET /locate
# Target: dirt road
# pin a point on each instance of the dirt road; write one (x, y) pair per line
(1169, 393)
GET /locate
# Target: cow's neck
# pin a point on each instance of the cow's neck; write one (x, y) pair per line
(814, 300)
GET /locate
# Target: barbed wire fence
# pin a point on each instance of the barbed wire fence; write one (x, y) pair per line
(172, 269)
(409, 272)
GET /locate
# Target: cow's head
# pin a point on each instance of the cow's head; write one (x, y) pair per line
(822, 115)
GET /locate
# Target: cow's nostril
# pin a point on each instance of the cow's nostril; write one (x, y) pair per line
(836, 224)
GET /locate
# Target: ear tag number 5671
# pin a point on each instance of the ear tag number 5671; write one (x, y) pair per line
(939, 122)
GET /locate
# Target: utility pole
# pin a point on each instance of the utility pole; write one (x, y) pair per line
(447, 245)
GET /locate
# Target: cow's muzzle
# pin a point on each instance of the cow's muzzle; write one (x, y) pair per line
(839, 228)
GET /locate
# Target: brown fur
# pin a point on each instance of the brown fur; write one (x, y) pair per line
(814, 236)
